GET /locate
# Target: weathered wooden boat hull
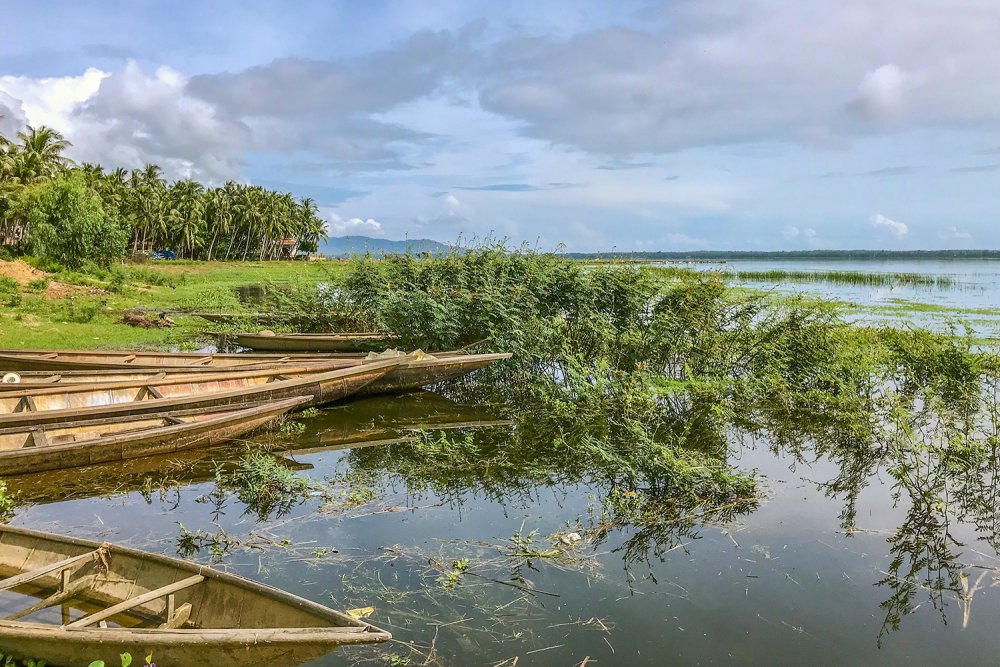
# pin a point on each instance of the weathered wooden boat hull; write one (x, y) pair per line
(221, 619)
(52, 405)
(406, 378)
(316, 342)
(27, 380)
(76, 361)
(37, 449)
(416, 374)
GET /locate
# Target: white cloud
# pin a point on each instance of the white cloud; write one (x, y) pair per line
(894, 227)
(51, 101)
(880, 94)
(706, 73)
(953, 233)
(337, 226)
(792, 232)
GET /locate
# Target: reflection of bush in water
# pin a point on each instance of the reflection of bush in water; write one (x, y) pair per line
(636, 382)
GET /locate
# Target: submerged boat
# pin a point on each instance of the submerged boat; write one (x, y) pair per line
(66, 599)
(421, 371)
(65, 403)
(32, 449)
(334, 342)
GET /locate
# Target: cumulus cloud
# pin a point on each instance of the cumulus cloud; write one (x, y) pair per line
(338, 226)
(12, 116)
(50, 100)
(136, 117)
(898, 229)
(953, 233)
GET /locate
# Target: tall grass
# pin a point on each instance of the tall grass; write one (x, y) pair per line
(853, 278)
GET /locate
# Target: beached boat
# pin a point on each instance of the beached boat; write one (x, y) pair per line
(64, 403)
(66, 599)
(422, 371)
(27, 449)
(294, 342)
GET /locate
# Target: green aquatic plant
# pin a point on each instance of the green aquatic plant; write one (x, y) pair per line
(263, 484)
(855, 278)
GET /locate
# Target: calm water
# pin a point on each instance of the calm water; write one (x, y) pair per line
(975, 291)
(782, 584)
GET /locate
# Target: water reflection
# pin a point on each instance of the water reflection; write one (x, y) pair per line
(436, 461)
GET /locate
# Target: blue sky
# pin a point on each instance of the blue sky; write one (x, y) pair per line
(747, 124)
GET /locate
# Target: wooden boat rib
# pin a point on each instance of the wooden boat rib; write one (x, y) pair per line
(58, 404)
(345, 342)
(66, 598)
(29, 449)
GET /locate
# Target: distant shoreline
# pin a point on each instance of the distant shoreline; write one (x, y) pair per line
(787, 255)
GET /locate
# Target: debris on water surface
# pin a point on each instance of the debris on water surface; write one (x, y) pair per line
(570, 539)
(360, 612)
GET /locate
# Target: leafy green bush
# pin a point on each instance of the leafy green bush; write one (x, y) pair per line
(67, 223)
(38, 285)
(82, 311)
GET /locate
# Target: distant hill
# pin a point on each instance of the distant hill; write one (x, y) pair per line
(342, 246)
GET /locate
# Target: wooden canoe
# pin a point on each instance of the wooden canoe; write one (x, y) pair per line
(66, 599)
(67, 360)
(428, 371)
(409, 376)
(343, 342)
(27, 449)
(87, 361)
(59, 404)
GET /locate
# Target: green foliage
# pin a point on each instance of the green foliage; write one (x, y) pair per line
(65, 221)
(263, 484)
(6, 503)
(81, 310)
(8, 285)
(858, 278)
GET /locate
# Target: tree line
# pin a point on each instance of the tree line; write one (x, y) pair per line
(51, 207)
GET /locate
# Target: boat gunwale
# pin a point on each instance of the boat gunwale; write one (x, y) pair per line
(302, 373)
(250, 409)
(213, 398)
(372, 633)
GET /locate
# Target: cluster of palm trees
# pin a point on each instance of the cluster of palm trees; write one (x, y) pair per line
(233, 221)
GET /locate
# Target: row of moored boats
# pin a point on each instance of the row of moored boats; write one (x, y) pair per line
(64, 599)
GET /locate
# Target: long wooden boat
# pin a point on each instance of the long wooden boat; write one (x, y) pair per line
(420, 372)
(61, 404)
(67, 599)
(26, 449)
(87, 361)
(65, 360)
(294, 342)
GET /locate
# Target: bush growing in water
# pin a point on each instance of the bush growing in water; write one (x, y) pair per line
(642, 379)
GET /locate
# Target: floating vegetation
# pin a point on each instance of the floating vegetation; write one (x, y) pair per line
(263, 483)
(852, 278)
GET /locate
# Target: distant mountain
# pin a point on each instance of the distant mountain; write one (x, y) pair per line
(342, 246)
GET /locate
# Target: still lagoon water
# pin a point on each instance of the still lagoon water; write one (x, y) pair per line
(832, 566)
